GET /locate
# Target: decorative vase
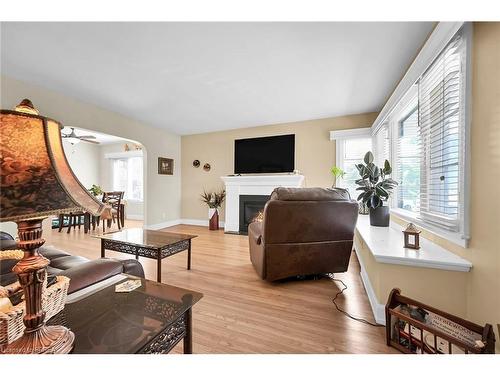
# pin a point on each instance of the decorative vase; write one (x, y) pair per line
(213, 219)
(379, 217)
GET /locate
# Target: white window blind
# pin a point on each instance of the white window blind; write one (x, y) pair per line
(407, 162)
(381, 143)
(441, 126)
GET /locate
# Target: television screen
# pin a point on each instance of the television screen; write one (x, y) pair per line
(265, 155)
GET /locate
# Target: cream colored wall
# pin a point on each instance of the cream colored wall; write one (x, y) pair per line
(474, 295)
(163, 193)
(314, 155)
(83, 158)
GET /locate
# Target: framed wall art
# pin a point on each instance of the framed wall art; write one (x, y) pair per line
(165, 166)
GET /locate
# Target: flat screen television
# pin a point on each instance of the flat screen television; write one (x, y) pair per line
(265, 155)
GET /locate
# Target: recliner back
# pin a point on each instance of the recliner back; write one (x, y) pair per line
(309, 215)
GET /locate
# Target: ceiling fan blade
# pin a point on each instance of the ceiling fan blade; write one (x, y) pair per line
(87, 137)
(89, 141)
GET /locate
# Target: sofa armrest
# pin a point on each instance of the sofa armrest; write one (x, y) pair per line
(132, 267)
(93, 271)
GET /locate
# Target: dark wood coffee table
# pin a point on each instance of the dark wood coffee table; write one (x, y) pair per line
(146, 243)
(150, 319)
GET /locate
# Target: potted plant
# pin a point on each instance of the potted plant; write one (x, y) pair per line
(214, 201)
(337, 173)
(96, 190)
(375, 189)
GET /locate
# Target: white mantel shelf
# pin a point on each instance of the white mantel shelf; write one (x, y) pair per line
(386, 245)
(252, 185)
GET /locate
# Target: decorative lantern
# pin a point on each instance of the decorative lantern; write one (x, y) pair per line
(412, 237)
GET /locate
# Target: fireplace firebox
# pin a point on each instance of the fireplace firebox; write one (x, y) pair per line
(250, 206)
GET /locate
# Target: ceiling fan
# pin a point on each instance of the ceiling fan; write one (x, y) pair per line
(72, 138)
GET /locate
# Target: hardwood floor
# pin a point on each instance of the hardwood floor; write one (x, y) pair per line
(240, 313)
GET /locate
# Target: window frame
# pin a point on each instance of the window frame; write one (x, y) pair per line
(112, 156)
(341, 136)
(462, 237)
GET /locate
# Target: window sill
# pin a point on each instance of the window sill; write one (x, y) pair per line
(386, 245)
(456, 238)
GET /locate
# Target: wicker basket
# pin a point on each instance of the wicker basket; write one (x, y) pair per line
(53, 301)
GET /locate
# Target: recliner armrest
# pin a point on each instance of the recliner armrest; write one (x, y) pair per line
(97, 270)
(255, 232)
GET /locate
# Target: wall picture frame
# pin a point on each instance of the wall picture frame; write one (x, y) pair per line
(165, 166)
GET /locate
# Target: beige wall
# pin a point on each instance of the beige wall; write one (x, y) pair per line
(163, 194)
(475, 295)
(83, 158)
(314, 155)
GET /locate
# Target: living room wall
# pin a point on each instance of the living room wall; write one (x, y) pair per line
(163, 193)
(314, 155)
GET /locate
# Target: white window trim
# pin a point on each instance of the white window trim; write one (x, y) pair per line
(439, 38)
(436, 42)
(339, 136)
(123, 155)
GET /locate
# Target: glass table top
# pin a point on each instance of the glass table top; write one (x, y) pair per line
(110, 322)
(145, 237)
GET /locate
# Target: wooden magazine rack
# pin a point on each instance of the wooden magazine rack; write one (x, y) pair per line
(415, 328)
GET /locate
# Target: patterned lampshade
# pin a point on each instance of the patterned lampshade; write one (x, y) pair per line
(36, 180)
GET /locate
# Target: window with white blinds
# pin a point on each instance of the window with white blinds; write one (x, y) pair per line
(425, 138)
(408, 162)
(441, 128)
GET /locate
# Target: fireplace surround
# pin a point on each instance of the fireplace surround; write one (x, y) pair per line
(250, 206)
(252, 185)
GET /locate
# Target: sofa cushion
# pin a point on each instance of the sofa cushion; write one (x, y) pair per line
(70, 261)
(91, 272)
(51, 252)
(310, 194)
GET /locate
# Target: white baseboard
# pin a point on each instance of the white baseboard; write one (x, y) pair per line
(171, 223)
(164, 224)
(202, 223)
(378, 309)
(135, 217)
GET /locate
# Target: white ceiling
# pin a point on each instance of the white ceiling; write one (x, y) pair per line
(102, 138)
(200, 77)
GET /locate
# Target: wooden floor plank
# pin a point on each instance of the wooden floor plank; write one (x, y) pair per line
(240, 313)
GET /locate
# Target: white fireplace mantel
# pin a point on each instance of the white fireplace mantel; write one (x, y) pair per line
(252, 185)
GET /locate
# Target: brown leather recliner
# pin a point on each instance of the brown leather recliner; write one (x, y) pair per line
(304, 231)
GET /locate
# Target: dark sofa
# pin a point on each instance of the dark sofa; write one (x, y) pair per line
(81, 271)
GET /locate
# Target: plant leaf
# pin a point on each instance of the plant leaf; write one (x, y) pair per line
(368, 159)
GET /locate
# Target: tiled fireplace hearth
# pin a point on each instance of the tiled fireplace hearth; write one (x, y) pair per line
(254, 185)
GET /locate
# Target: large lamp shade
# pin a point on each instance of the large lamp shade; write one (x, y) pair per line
(35, 182)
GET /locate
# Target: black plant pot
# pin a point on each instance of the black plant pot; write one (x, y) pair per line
(379, 217)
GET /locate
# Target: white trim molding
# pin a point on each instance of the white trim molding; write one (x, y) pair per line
(123, 155)
(350, 133)
(171, 223)
(252, 185)
(378, 309)
(438, 39)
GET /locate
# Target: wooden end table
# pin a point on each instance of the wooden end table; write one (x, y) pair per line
(152, 244)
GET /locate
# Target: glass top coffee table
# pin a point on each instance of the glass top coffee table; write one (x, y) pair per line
(150, 319)
(146, 243)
